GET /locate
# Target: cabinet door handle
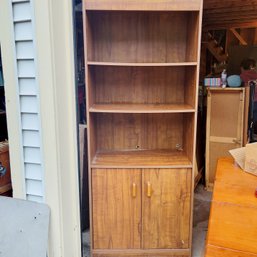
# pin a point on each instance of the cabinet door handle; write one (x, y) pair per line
(149, 189)
(134, 190)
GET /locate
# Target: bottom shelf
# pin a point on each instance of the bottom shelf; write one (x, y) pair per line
(141, 159)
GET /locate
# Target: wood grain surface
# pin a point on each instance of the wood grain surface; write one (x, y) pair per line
(141, 159)
(139, 131)
(143, 36)
(146, 5)
(166, 213)
(233, 225)
(116, 213)
(143, 85)
(214, 251)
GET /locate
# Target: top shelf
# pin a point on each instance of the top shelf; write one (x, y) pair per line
(143, 5)
(136, 64)
(142, 38)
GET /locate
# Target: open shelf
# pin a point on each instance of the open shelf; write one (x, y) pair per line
(141, 108)
(143, 64)
(141, 159)
(146, 88)
(142, 37)
(145, 134)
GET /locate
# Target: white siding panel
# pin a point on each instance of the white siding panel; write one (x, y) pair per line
(25, 50)
(33, 171)
(34, 187)
(29, 104)
(35, 198)
(26, 68)
(32, 155)
(23, 31)
(31, 138)
(21, 11)
(29, 121)
(29, 100)
(27, 87)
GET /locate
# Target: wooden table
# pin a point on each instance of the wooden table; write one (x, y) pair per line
(233, 220)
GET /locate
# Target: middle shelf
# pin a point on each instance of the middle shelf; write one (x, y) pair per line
(138, 139)
(145, 89)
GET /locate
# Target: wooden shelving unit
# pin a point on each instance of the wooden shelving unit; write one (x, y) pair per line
(142, 62)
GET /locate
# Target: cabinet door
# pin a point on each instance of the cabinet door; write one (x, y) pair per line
(116, 202)
(166, 208)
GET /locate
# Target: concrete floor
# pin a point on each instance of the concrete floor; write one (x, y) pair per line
(202, 200)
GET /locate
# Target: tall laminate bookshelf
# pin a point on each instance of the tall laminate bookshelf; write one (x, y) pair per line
(142, 62)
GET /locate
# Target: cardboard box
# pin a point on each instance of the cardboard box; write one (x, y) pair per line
(251, 158)
(212, 82)
(246, 157)
(5, 179)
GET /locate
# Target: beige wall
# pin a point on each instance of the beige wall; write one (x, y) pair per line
(56, 81)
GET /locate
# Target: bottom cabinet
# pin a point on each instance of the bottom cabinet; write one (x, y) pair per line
(141, 209)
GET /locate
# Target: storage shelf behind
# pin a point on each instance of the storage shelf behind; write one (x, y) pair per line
(141, 108)
(141, 159)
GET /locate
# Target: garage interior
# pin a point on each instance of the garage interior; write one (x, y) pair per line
(228, 39)
(229, 35)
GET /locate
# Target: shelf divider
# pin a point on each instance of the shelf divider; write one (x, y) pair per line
(141, 108)
(142, 64)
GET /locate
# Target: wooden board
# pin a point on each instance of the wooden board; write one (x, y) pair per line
(225, 125)
(116, 212)
(142, 253)
(82, 131)
(141, 159)
(166, 196)
(234, 186)
(146, 5)
(117, 132)
(141, 108)
(216, 150)
(226, 112)
(233, 226)
(214, 251)
(229, 14)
